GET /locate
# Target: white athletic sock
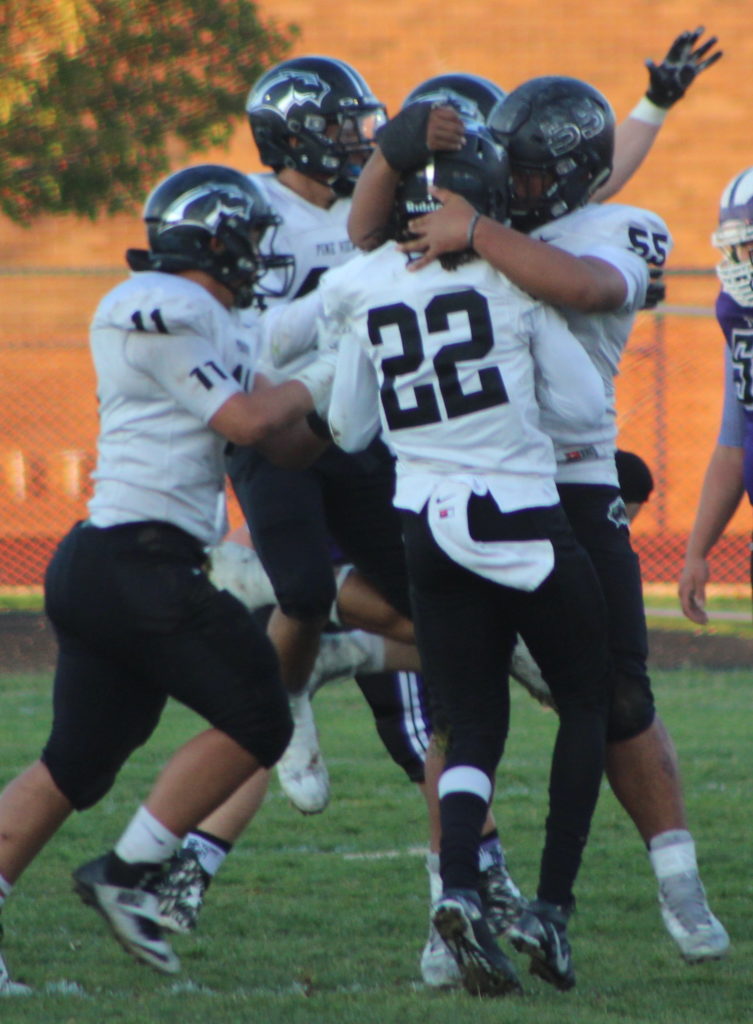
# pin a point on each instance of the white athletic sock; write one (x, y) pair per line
(435, 879)
(5, 888)
(672, 853)
(146, 840)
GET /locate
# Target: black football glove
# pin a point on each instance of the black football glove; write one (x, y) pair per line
(656, 291)
(669, 80)
(403, 139)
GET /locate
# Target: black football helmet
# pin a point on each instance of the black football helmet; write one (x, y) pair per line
(189, 209)
(474, 97)
(479, 172)
(734, 238)
(292, 106)
(562, 129)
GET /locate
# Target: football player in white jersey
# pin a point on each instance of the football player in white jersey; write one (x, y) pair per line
(136, 617)
(446, 229)
(452, 364)
(578, 257)
(313, 119)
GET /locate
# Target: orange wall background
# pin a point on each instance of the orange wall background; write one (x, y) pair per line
(396, 45)
(47, 410)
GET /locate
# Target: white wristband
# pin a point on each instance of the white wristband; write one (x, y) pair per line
(648, 112)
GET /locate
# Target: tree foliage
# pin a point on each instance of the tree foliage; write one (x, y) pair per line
(100, 96)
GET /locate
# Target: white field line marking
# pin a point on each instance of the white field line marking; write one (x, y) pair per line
(410, 851)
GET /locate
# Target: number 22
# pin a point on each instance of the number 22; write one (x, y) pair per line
(456, 401)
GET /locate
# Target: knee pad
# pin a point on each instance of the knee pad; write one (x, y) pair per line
(264, 727)
(632, 708)
(80, 780)
(306, 593)
(269, 746)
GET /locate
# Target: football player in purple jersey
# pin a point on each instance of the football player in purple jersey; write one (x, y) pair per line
(729, 474)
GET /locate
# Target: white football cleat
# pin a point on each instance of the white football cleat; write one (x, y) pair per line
(340, 656)
(301, 770)
(439, 969)
(8, 987)
(688, 919)
(238, 569)
(682, 898)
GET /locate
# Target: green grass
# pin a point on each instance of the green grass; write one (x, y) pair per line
(322, 919)
(21, 599)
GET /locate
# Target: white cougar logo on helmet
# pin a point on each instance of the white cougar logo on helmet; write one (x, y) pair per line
(205, 206)
(302, 86)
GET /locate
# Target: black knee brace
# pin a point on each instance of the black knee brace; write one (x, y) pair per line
(632, 708)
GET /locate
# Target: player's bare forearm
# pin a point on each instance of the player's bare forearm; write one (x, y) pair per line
(374, 196)
(373, 200)
(720, 496)
(633, 140)
(542, 270)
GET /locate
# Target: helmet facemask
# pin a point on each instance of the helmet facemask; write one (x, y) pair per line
(734, 239)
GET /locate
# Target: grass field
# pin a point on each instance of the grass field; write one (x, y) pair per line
(322, 919)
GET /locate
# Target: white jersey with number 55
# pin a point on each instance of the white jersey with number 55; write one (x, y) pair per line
(632, 240)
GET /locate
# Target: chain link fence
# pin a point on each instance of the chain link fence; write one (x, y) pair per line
(669, 403)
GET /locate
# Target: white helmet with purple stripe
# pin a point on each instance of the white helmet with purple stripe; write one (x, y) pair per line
(734, 238)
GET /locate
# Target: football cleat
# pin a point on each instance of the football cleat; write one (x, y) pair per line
(541, 932)
(180, 892)
(502, 900)
(301, 770)
(238, 569)
(484, 969)
(133, 915)
(439, 968)
(8, 987)
(688, 918)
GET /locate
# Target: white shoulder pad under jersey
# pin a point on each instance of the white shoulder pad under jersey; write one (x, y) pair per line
(632, 240)
(457, 364)
(167, 357)
(316, 237)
